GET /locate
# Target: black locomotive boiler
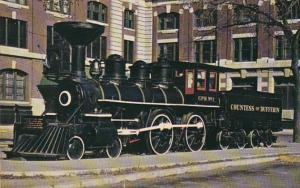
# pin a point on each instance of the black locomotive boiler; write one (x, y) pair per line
(163, 106)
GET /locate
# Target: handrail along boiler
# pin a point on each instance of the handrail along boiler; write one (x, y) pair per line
(162, 106)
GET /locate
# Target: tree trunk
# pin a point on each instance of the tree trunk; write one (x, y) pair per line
(296, 74)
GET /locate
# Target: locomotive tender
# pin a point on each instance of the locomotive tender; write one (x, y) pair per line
(164, 105)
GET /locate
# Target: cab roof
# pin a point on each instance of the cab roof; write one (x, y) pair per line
(189, 65)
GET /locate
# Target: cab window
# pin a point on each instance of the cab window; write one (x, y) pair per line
(189, 82)
(213, 81)
(201, 80)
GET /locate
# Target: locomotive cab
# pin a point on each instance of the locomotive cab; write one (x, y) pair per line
(199, 81)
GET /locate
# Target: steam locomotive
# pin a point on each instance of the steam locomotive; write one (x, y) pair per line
(162, 106)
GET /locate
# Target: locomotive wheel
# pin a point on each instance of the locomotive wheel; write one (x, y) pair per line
(268, 138)
(223, 140)
(195, 137)
(115, 150)
(241, 139)
(254, 140)
(159, 141)
(76, 148)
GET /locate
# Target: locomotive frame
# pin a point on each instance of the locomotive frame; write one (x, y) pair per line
(178, 108)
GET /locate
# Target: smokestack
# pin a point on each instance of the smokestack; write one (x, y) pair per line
(79, 35)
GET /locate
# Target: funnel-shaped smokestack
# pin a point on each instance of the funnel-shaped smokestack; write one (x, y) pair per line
(78, 34)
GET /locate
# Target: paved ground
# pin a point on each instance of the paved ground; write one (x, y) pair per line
(95, 172)
(277, 174)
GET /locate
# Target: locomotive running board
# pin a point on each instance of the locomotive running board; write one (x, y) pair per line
(159, 104)
(162, 126)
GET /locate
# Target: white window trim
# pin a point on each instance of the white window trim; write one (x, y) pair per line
(206, 28)
(205, 38)
(129, 38)
(129, 29)
(244, 35)
(20, 52)
(247, 25)
(168, 31)
(97, 22)
(159, 41)
(58, 15)
(280, 33)
(13, 102)
(291, 21)
(14, 5)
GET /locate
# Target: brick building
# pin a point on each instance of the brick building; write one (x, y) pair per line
(141, 30)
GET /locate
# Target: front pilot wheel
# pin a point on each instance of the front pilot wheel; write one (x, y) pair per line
(75, 148)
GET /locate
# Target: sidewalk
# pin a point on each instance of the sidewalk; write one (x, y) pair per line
(136, 163)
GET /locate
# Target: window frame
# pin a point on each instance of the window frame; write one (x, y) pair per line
(128, 51)
(102, 48)
(294, 11)
(165, 18)
(20, 2)
(200, 52)
(175, 51)
(241, 15)
(205, 18)
(8, 39)
(14, 85)
(64, 8)
(239, 56)
(102, 11)
(283, 48)
(129, 19)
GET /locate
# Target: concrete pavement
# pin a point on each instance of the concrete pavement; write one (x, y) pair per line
(102, 172)
(138, 167)
(139, 163)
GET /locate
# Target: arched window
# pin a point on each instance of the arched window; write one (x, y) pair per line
(97, 11)
(205, 18)
(245, 16)
(61, 6)
(12, 85)
(168, 21)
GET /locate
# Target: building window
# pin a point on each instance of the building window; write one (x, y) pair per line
(128, 51)
(169, 50)
(53, 38)
(61, 6)
(205, 18)
(12, 85)
(129, 19)
(97, 11)
(21, 2)
(294, 10)
(13, 32)
(168, 21)
(206, 51)
(244, 16)
(284, 48)
(97, 49)
(245, 49)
